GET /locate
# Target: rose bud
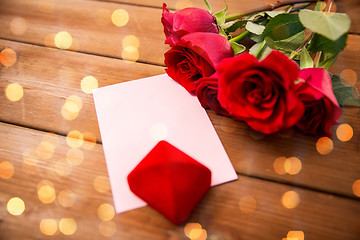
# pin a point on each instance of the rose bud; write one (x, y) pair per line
(207, 91)
(195, 56)
(186, 21)
(261, 93)
(321, 107)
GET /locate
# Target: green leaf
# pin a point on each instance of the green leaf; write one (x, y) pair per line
(327, 61)
(255, 48)
(254, 28)
(305, 59)
(208, 6)
(220, 16)
(289, 44)
(328, 24)
(320, 6)
(223, 33)
(346, 96)
(283, 26)
(238, 48)
(274, 13)
(320, 43)
(236, 25)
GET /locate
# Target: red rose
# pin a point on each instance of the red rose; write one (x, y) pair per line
(321, 107)
(260, 93)
(207, 91)
(186, 21)
(195, 56)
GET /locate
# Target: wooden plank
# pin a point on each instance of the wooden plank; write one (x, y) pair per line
(351, 7)
(46, 89)
(88, 22)
(248, 208)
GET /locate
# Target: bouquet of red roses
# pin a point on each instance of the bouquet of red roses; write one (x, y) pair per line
(277, 81)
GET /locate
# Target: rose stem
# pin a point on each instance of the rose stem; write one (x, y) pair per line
(239, 37)
(257, 55)
(268, 7)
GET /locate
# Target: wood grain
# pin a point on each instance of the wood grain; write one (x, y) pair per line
(318, 215)
(46, 89)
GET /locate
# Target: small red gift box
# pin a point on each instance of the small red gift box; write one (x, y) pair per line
(170, 181)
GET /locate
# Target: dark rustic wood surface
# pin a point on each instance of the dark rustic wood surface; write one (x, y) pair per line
(324, 190)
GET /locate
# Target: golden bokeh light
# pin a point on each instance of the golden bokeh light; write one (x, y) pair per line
(73, 103)
(67, 115)
(101, 184)
(324, 145)
(46, 191)
(89, 140)
(47, 6)
(356, 188)
(102, 17)
(130, 54)
(75, 156)
(45, 150)
(247, 204)
(62, 168)
(198, 234)
(18, 26)
(74, 139)
(344, 132)
(8, 57)
(6, 170)
(67, 226)
(279, 165)
(192, 228)
(131, 40)
(88, 84)
(348, 77)
(296, 235)
(158, 132)
(290, 199)
(63, 40)
(16, 206)
(66, 198)
(292, 165)
(106, 212)
(14, 92)
(120, 17)
(107, 229)
(48, 226)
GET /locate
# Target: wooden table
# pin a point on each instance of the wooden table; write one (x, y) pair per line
(66, 191)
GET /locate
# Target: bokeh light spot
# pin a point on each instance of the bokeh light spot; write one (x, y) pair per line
(16, 206)
(6, 170)
(324, 145)
(158, 132)
(89, 140)
(356, 188)
(101, 184)
(296, 235)
(88, 84)
(344, 132)
(18, 26)
(48, 226)
(63, 40)
(106, 212)
(279, 165)
(130, 54)
(45, 150)
(8, 57)
(74, 139)
(14, 92)
(120, 17)
(292, 165)
(190, 227)
(46, 191)
(73, 104)
(67, 226)
(107, 229)
(131, 40)
(67, 115)
(247, 204)
(66, 198)
(290, 199)
(348, 77)
(75, 156)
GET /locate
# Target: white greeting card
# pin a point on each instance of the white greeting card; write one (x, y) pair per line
(134, 116)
